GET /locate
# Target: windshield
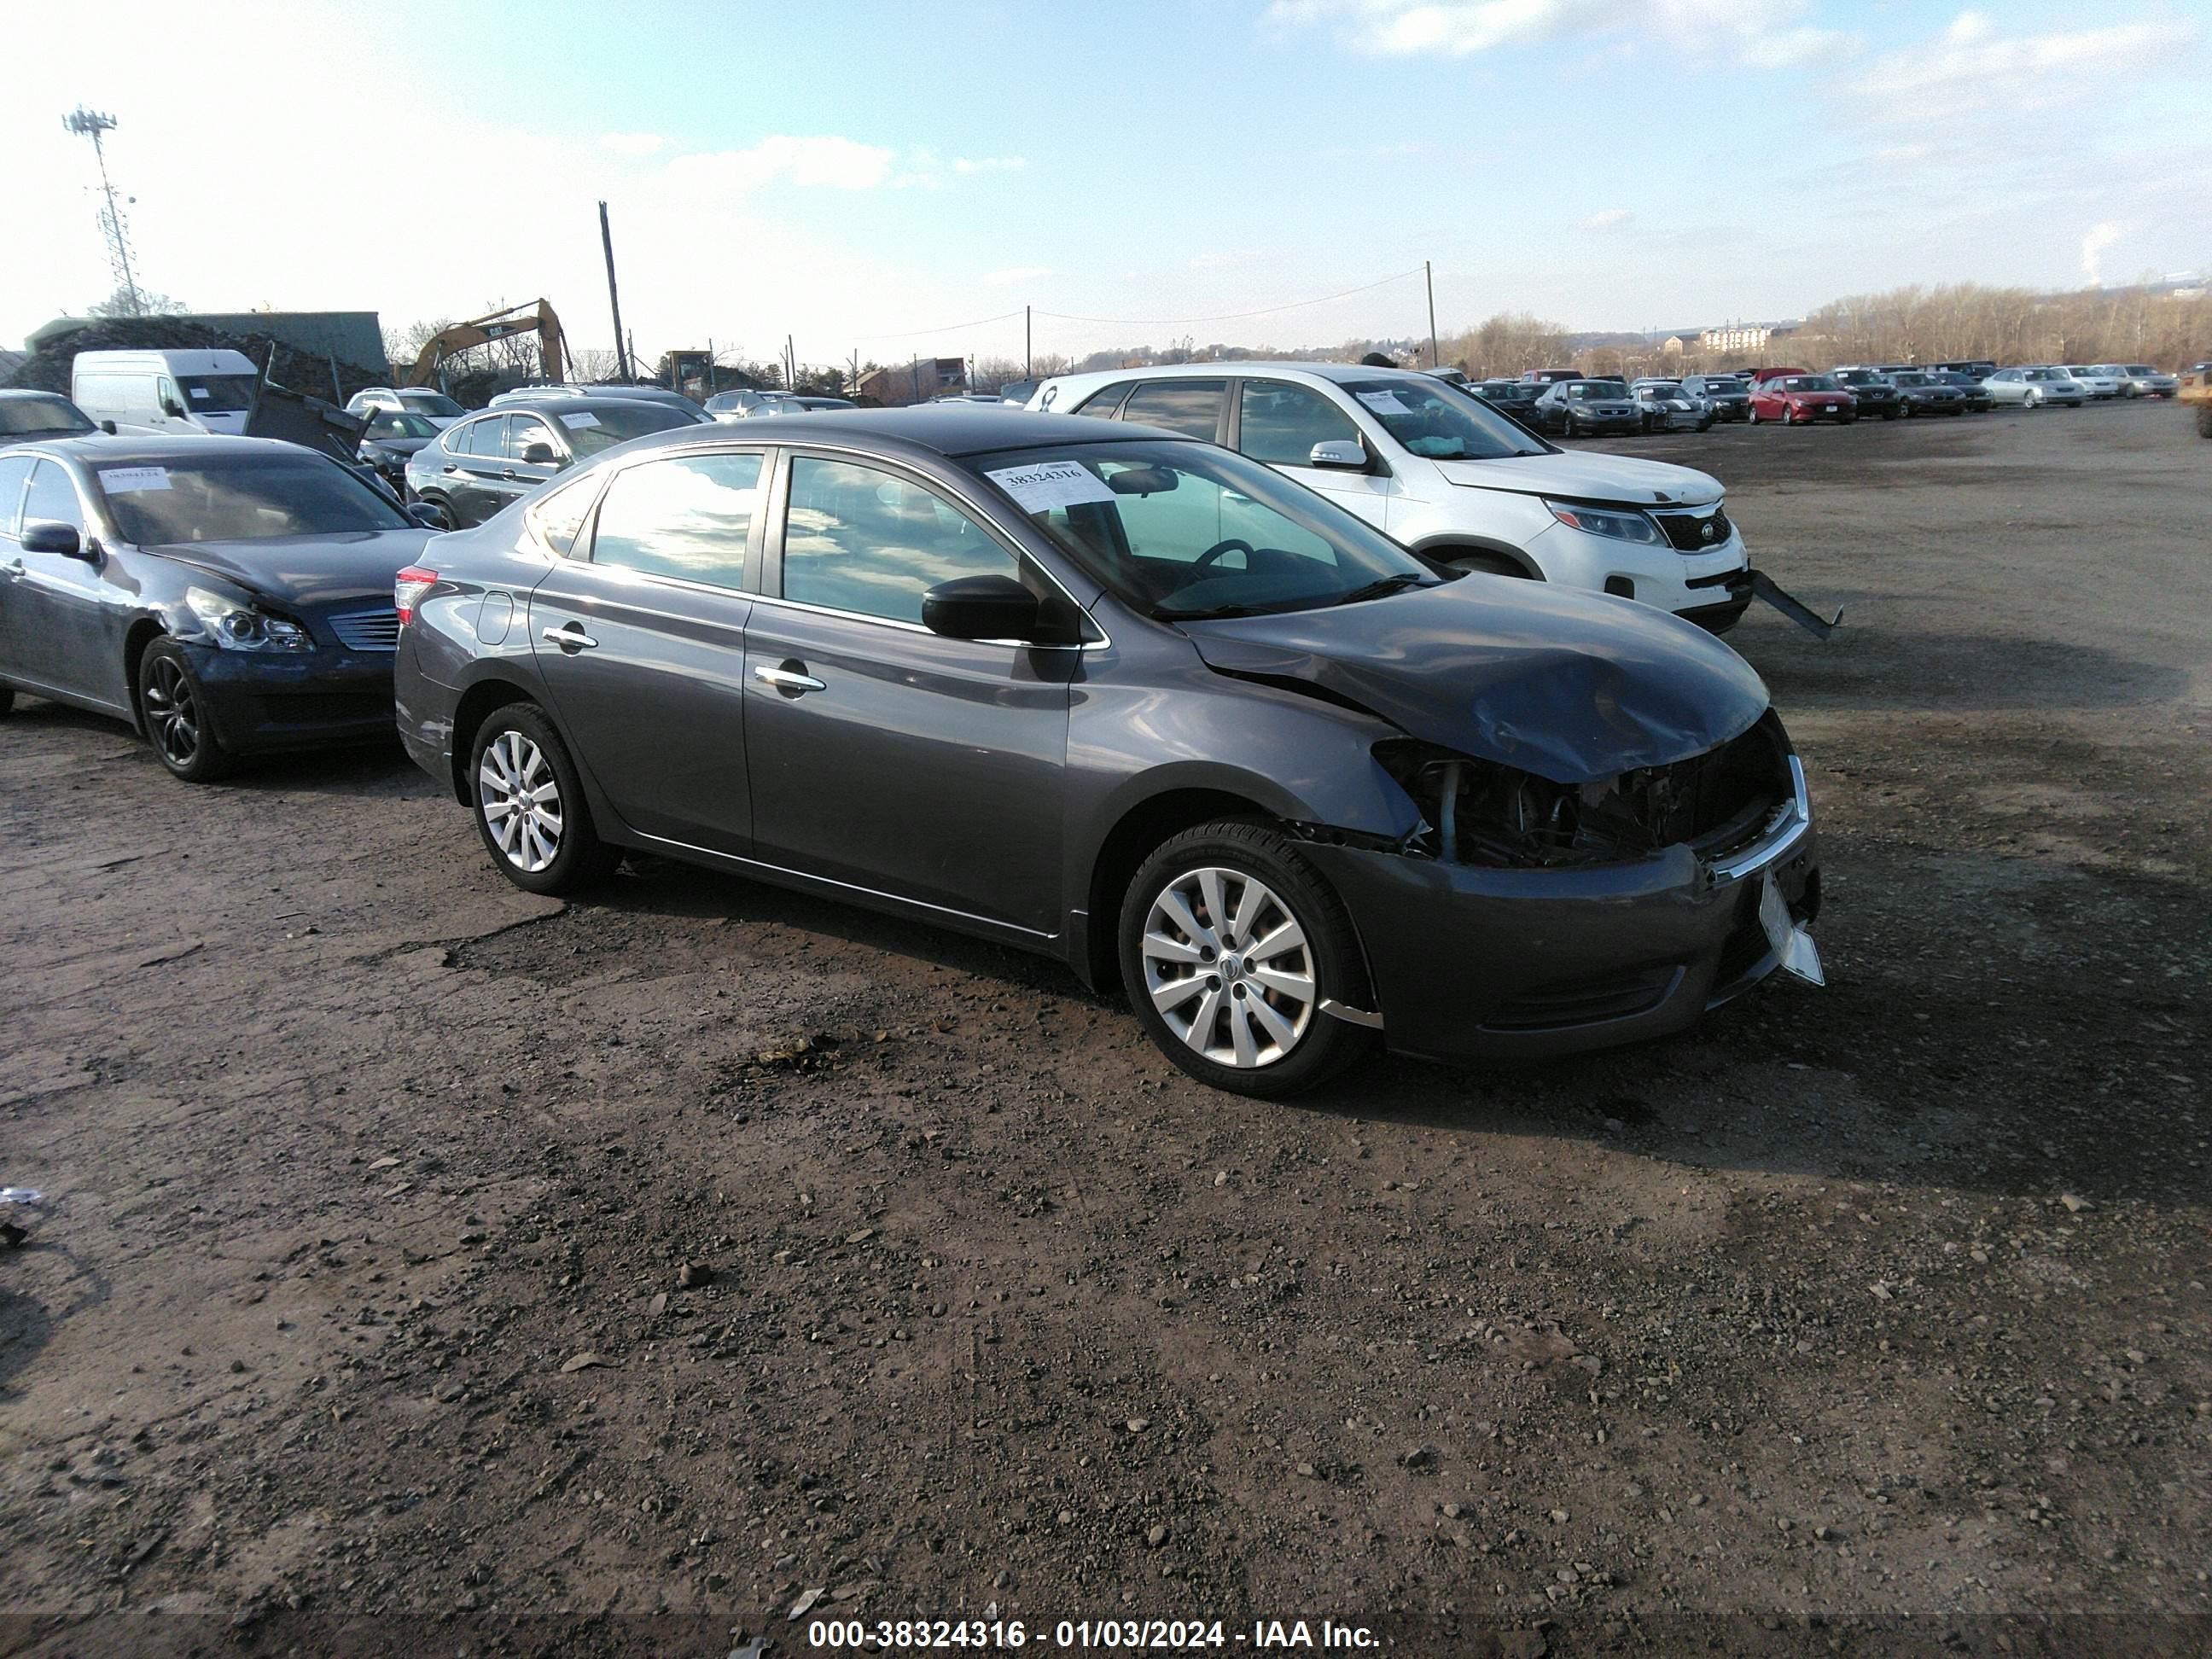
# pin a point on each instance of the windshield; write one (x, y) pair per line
(217, 394)
(1909, 378)
(399, 423)
(607, 424)
(241, 499)
(1185, 530)
(21, 418)
(1440, 421)
(432, 403)
(1809, 383)
(1596, 389)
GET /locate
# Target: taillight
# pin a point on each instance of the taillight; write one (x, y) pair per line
(410, 588)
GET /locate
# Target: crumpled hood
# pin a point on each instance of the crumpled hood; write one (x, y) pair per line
(1586, 475)
(308, 571)
(1573, 687)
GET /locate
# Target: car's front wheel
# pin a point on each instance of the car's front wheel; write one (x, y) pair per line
(1229, 943)
(529, 807)
(447, 519)
(173, 713)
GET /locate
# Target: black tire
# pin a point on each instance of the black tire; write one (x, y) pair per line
(172, 714)
(1847, 420)
(1476, 559)
(1751, 417)
(447, 519)
(7, 700)
(1327, 959)
(529, 752)
(2204, 420)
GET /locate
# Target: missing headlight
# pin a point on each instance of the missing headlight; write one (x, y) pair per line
(1476, 811)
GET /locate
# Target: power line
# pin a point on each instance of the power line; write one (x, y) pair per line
(1230, 316)
(949, 328)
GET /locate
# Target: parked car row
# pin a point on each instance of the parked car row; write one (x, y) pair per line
(1106, 689)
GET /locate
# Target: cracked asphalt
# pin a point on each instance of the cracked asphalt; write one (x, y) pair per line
(435, 1265)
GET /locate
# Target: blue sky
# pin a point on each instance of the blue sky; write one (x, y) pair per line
(863, 175)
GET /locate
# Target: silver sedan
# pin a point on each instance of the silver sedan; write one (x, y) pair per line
(2035, 388)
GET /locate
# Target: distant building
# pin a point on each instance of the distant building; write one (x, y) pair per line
(1743, 336)
(915, 382)
(1673, 345)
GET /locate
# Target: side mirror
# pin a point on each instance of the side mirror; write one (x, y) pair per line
(108, 426)
(170, 407)
(1342, 452)
(980, 608)
(539, 455)
(44, 536)
(425, 515)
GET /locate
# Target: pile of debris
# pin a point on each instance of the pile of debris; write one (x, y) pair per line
(47, 369)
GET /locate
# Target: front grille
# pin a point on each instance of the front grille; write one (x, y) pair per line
(367, 630)
(1685, 530)
(1584, 1002)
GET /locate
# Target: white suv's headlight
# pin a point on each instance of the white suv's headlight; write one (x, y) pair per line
(237, 626)
(1600, 521)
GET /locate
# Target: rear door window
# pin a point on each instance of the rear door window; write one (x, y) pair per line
(1188, 406)
(524, 430)
(690, 517)
(1107, 403)
(14, 473)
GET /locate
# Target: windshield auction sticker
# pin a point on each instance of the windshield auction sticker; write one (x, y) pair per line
(1043, 485)
(1384, 403)
(121, 480)
(580, 420)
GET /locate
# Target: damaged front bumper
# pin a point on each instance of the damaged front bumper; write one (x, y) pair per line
(1471, 962)
(1744, 586)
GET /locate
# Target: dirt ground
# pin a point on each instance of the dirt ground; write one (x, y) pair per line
(436, 1267)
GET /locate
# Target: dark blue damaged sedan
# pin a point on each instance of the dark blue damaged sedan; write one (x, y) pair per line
(1132, 701)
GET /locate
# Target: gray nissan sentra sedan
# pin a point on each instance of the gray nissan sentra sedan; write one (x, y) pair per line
(1129, 700)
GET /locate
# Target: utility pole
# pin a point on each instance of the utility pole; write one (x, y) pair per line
(1027, 373)
(90, 124)
(790, 366)
(1428, 277)
(614, 301)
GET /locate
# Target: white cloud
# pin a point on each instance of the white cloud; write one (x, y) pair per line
(1974, 67)
(2100, 237)
(1763, 34)
(1014, 274)
(1608, 219)
(988, 164)
(635, 145)
(821, 163)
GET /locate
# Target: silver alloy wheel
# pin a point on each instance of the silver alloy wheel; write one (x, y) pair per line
(173, 711)
(520, 800)
(1228, 967)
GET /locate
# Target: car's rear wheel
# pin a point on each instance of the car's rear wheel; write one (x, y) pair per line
(447, 519)
(1229, 943)
(173, 711)
(529, 806)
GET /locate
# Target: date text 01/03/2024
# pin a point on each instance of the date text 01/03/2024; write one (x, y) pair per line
(1168, 1635)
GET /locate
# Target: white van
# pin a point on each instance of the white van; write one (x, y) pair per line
(168, 391)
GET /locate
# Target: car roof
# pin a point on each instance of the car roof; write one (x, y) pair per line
(99, 449)
(573, 404)
(1340, 372)
(952, 430)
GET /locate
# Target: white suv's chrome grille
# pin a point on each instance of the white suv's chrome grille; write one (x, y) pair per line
(367, 630)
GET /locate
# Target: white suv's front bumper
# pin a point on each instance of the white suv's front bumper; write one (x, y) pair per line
(1658, 576)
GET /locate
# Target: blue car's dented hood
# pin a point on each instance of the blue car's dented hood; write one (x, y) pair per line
(1573, 687)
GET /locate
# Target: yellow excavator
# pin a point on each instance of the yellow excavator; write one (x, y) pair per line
(536, 317)
(2197, 392)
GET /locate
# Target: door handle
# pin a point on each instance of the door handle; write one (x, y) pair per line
(570, 636)
(788, 680)
(12, 570)
(508, 473)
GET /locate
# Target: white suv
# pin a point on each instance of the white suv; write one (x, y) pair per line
(1443, 473)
